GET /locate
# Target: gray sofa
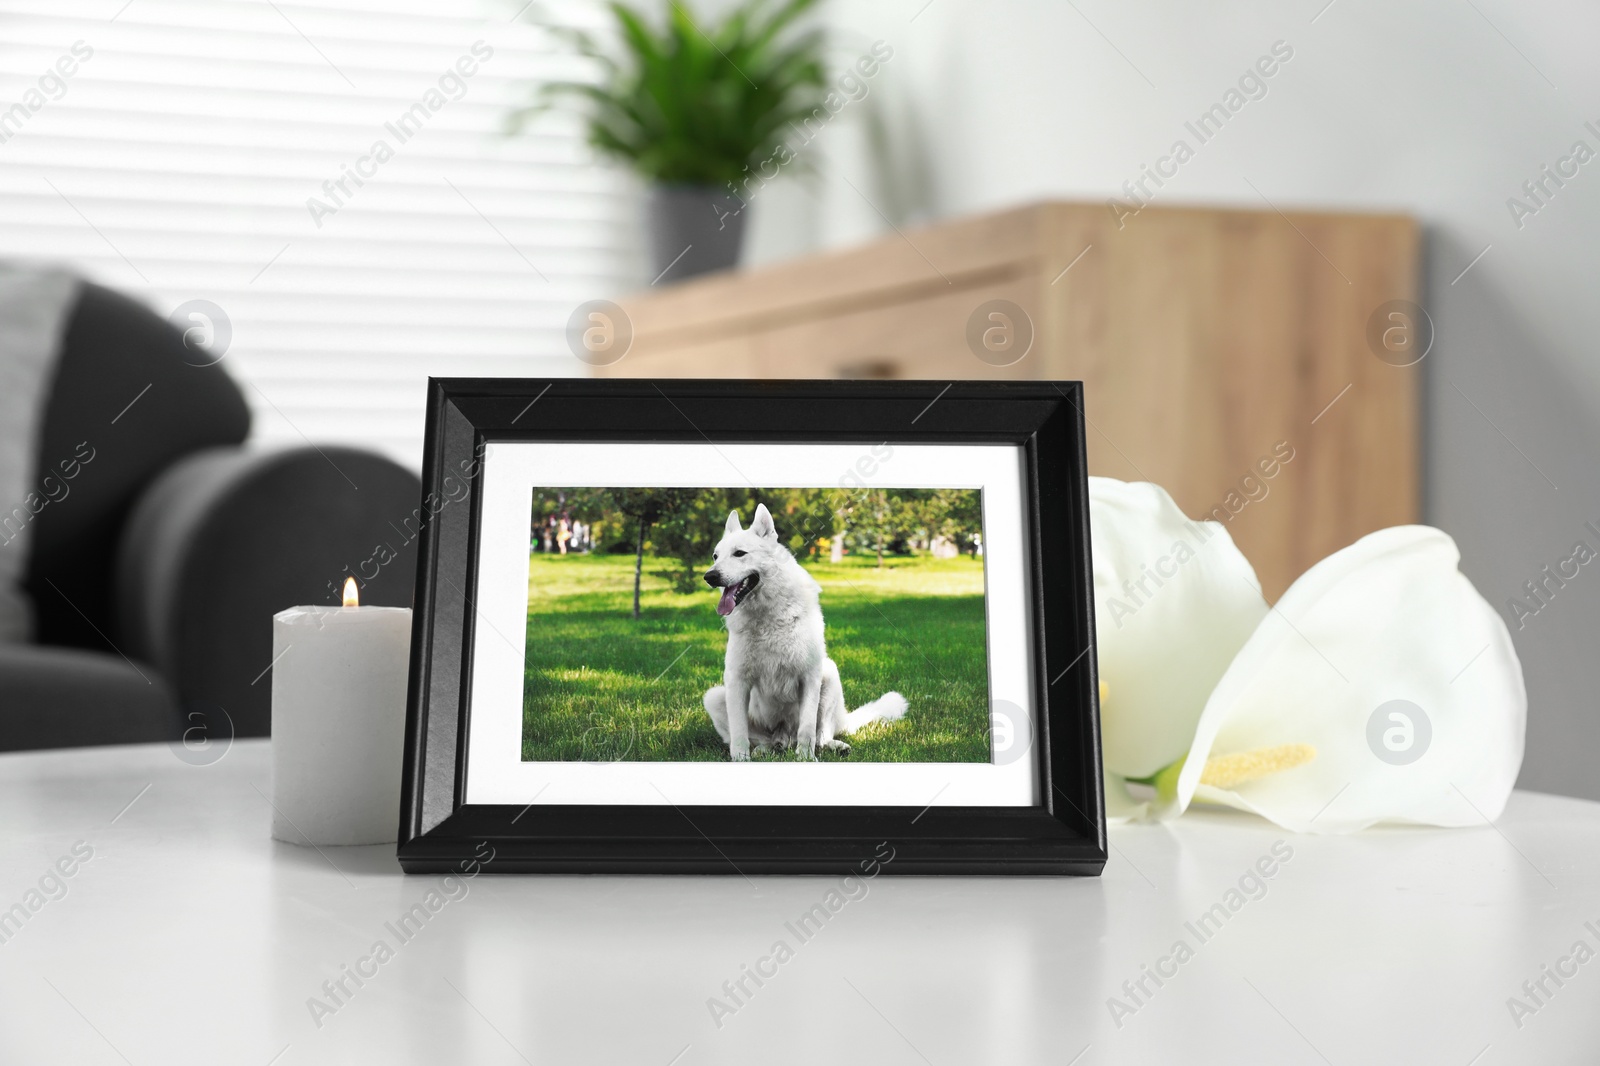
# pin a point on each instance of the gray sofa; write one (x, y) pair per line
(155, 577)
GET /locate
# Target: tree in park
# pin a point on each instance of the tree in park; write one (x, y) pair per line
(884, 516)
(955, 514)
(895, 520)
(646, 507)
(842, 504)
(689, 532)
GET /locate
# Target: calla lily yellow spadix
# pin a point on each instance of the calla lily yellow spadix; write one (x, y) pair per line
(1241, 768)
(1380, 688)
(1231, 771)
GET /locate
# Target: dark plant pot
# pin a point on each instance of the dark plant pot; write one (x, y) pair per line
(694, 229)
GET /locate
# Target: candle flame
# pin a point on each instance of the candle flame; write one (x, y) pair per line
(351, 598)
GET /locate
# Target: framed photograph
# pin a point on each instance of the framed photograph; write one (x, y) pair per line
(736, 627)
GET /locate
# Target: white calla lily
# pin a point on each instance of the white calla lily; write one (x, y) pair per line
(1381, 688)
(1174, 603)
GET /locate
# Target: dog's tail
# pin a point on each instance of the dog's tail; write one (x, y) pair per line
(889, 707)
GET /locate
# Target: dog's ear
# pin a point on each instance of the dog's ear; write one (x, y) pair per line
(761, 525)
(733, 523)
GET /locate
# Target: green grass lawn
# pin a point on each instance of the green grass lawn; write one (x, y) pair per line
(603, 686)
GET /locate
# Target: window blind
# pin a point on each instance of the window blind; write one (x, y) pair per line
(332, 176)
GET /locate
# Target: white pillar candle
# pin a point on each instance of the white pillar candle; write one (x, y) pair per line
(338, 722)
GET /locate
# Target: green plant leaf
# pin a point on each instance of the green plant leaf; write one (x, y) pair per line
(691, 102)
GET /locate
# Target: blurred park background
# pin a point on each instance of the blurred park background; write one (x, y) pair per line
(682, 525)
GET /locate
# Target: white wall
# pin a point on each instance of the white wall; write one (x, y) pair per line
(1440, 108)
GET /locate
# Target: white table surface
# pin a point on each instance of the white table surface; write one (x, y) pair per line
(190, 936)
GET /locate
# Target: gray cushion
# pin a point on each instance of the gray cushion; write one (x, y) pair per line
(68, 697)
(115, 352)
(226, 538)
(33, 307)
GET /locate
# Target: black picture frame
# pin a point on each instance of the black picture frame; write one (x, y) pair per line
(1065, 833)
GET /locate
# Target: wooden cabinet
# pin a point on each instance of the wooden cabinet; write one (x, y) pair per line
(1207, 341)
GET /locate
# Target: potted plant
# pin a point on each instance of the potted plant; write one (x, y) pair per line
(695, 109)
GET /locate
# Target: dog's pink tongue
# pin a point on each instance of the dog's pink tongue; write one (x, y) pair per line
(725, 605)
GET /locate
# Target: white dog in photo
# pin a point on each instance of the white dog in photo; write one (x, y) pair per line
(779, 686)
